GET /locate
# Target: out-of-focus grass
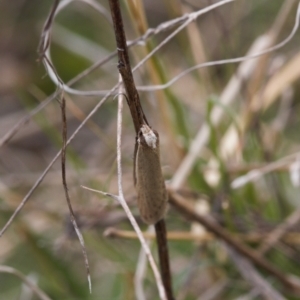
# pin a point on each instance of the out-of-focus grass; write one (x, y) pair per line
(41, 243)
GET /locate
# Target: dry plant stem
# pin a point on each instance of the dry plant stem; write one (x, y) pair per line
(291, 238)
(139, 120)
(44, 42)
(35, 289)
(179, 203)
(139, 275)
(176, 235)
(133, 101)
(140, 272)
(64, 181)
(163, 253)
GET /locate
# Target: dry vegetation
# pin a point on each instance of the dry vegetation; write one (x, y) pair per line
(229, 144)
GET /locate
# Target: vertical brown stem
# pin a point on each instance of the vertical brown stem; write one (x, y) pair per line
(163, 253)
(133, 100)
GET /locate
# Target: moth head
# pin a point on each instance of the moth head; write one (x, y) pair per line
(147, 135)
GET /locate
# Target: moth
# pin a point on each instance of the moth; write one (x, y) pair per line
(152, 195)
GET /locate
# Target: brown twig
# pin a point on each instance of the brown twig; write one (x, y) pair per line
(139, 120)
(291, 238)
(183, 206)
(64, 180)
(45, 42)
(163, 253)
(113, 232)
(133, 100)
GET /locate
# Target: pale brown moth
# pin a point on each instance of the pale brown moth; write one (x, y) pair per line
(149, 182)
